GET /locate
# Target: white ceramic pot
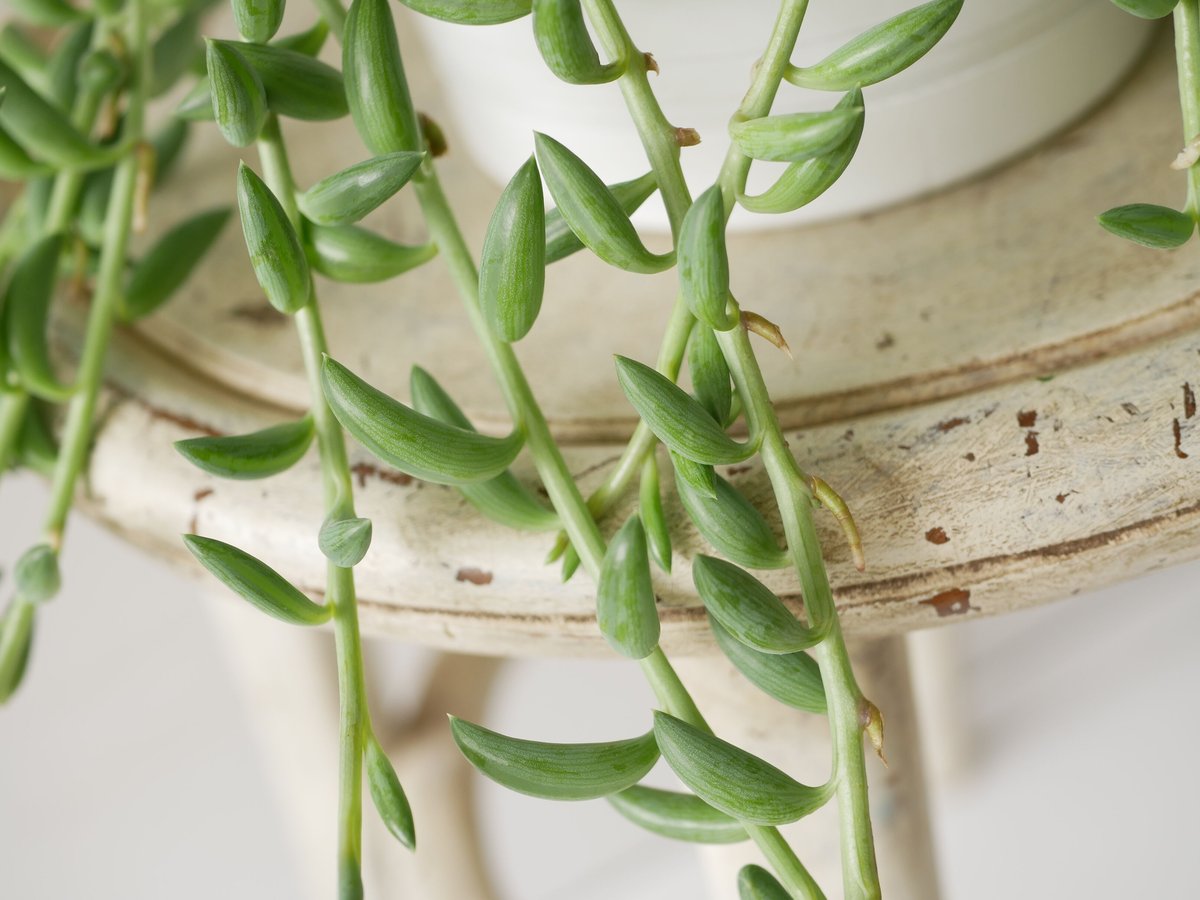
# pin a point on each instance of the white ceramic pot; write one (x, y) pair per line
(1008, 74)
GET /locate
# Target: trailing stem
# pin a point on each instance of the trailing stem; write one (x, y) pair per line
(791, 487)
(339, 502)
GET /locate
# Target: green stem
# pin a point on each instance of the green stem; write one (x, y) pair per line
(645, 111)
(339, 502)
(858, 853)
(64, 198)
(1187, 62)
(12, 415)
(77, 431)
(843, 696)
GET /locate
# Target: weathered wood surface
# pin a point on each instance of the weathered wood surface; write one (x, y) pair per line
(1002, 392)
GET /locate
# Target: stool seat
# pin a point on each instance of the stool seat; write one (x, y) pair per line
(1002, 392)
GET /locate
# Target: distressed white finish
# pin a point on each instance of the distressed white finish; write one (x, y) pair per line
(923, 337)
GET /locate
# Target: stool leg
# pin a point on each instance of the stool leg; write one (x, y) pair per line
(448, 863)
(287, 678)
(799, 743)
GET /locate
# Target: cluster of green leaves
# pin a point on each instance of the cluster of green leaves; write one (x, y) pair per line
(730, 789)
(79, 205)
(74, 82)
(293, 235)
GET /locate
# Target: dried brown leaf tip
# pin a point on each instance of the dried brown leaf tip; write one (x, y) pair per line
(832, 501)
(435, 138)
(767, 330)
(872, 724)
(1188, 156)
(143, 185)
(687, 137)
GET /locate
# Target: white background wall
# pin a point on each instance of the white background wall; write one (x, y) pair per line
(128, 771)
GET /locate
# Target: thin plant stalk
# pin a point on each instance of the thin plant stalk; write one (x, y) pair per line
(339, 502)
(859, 869)
(1187, 62)
(118, 226)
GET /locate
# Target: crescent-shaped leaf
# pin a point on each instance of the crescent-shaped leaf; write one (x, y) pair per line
(728, 778)
(556, 771)
(684, 817)
(414, 443)
(258, 454)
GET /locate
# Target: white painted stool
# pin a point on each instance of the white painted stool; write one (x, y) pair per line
(1001, 391)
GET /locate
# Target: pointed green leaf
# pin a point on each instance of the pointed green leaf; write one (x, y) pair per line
(36, 444)
(756, 883)
(15, 163)
(471, 12)
(256, 582)
(700, 478)
(26, 318)
(658, 536)
(625, 609)
(296, 85)
(25, 55)
(345, 541)
(63, 70)
(563, 40)
(570, 564)
(737, 783)
(16, 638)
(556, 771)
(100, 71)
(239, 101)
(170, 262)
(683, 817)
(512, 268)
(93, 206)
(732, 525)
(43, 130)
(258, 454)
(174, 53)
(560, 239)
(354, 255)
(880, 52)
(196, 105)
(748, 609)
(376, 88)
(349, 195)
(1157, 227)
(704, 262)
(278, 261)
(308, 42)
(1148, 9)
(419, 445)
(592, 212)
(37, 575)
(257, 20)
(168, 143)
(50, 13)
(710, 374)
(793, 679)
(796, 136)
(387, 794)
(803, 182)
(676, 418)
(503, 499)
